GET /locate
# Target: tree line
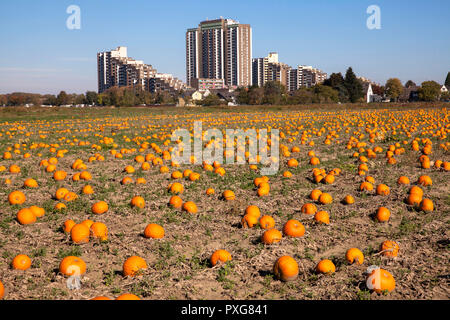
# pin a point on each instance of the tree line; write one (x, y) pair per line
(116, 96)
(337, 88)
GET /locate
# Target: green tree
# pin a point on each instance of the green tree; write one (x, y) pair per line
(430, 91)
(91, 97)
(80, 99)
(242, 96)
(445, 96)
(49, 100)
(255, 95)
(324, 94)
(273, 92)
(394, 88)
(127, 98)
(301, 96)
(62, 98)
(336, 81)
(211, 100)
(410, 83)
(3, 100)
(353, 86)
(447, 80)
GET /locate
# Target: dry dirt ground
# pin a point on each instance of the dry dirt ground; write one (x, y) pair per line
(178, 264)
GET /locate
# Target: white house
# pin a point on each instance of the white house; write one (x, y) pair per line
(369, 93)
(444, 89)
(197, 96)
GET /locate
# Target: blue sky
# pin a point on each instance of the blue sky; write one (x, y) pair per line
(39, 54)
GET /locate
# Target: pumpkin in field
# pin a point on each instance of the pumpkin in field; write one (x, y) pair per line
(315, 194)
(87, 189)
(37, 211)
(228, 195)
(175, 202)
(366, 186)
(30, 183)
(389, 248)
(383, 214)
(293, 228)
(221, 256)
(266, 222)
(99, 231)
(72, 265)
(309, 208)
(382, 190)
(325, 266)
(426, 205)
(190, 207)
(249, 221)
(354, 255)
(154, 231)
(61, 193)
(253, 210)
(21, 262)
(68, 225)
(322, 217)
(176, 188)
(59, 175)
(26, 216)
(424, 181)
(271, 236)
(403, 180)
(134, 266)
(380, 280)
(286, 268)
(325, 198)
(349, 199)
(99, 207)
(292, 163)
(16, 197)
(79, 233)
(138, 202)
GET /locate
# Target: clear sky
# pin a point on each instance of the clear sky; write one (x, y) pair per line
(40, 54)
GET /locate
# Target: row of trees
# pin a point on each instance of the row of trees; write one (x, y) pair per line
(114, 96)
(338, 88)
(335, 89)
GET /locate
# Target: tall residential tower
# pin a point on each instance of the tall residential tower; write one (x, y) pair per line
(220, 49)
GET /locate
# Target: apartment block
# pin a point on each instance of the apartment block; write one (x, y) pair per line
(203, 84)
(308, 76)
(219, 49)
(278, 72)
(115, 68)
(260, 67)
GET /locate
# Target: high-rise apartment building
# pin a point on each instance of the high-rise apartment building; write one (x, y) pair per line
(115, 68)
(278, 72)
(220, 49)
(270, 69)
(260, 68)
(308, 76)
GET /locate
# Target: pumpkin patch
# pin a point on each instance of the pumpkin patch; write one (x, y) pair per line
(103, 194)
